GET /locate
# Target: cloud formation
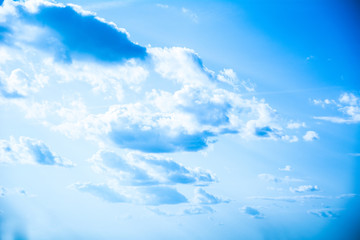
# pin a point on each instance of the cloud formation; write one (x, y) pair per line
(29, 151)
(324, 213)
(154, 195)
(146, 170)
(348, 104)
(310, 136)
(203, 197)
(305, 188)
(253, 212)
(69, 31)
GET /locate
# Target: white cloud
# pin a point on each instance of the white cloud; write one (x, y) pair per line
(348, 104)
(291, 199)
(145, 170)
(29, 151)
(310, 136)
(271, 178)
(162, 5)
(203, 197)
(295, 125)
(190, 14)
(287, 168)
(153, 195)
(305, 188)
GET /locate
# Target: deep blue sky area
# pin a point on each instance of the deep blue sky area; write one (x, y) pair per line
(133, 119)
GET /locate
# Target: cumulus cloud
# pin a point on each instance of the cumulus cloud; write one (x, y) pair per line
(253, 212)
(70, 32)
(154, 195)
(305, 188)
(29, 151)
(310, 136)
(348, 104)
(187, 114)
(142, 170)
(203, 197)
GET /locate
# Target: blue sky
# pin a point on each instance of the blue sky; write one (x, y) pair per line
(179, 119)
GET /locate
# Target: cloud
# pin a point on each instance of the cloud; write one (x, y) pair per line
(186, 113)
(271, 178)
(310, 136)
(190, 14)
(324, 213)
(348, 104)
(203, 197)
(291, 199)
(194, 210)
(305, 188)
(146, 170)
(154, 195)
(254, 213)
(20, 84)
(347, 195)
(70, 32)
(162, 5)
(29, 151)
(296, 125)
(198, 210)
(287, 168)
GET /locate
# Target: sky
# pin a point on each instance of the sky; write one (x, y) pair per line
(134, 119)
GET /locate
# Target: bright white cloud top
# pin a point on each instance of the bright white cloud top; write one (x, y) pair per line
(147, 133)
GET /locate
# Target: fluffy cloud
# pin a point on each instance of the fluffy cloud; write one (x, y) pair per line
(29, 151)
(146, 170)
(305, 188)
(188, 118)
(348, 104)
(254, 213)
(310, 136)
(70, 31)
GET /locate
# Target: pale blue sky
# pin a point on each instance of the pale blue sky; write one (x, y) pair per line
(179, 119)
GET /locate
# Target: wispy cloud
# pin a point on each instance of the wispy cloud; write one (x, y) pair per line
(287, 168)
(154, 195)
(190, 14)
(304, 188)
(325, 213)
(348, 104)
(146, 170)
